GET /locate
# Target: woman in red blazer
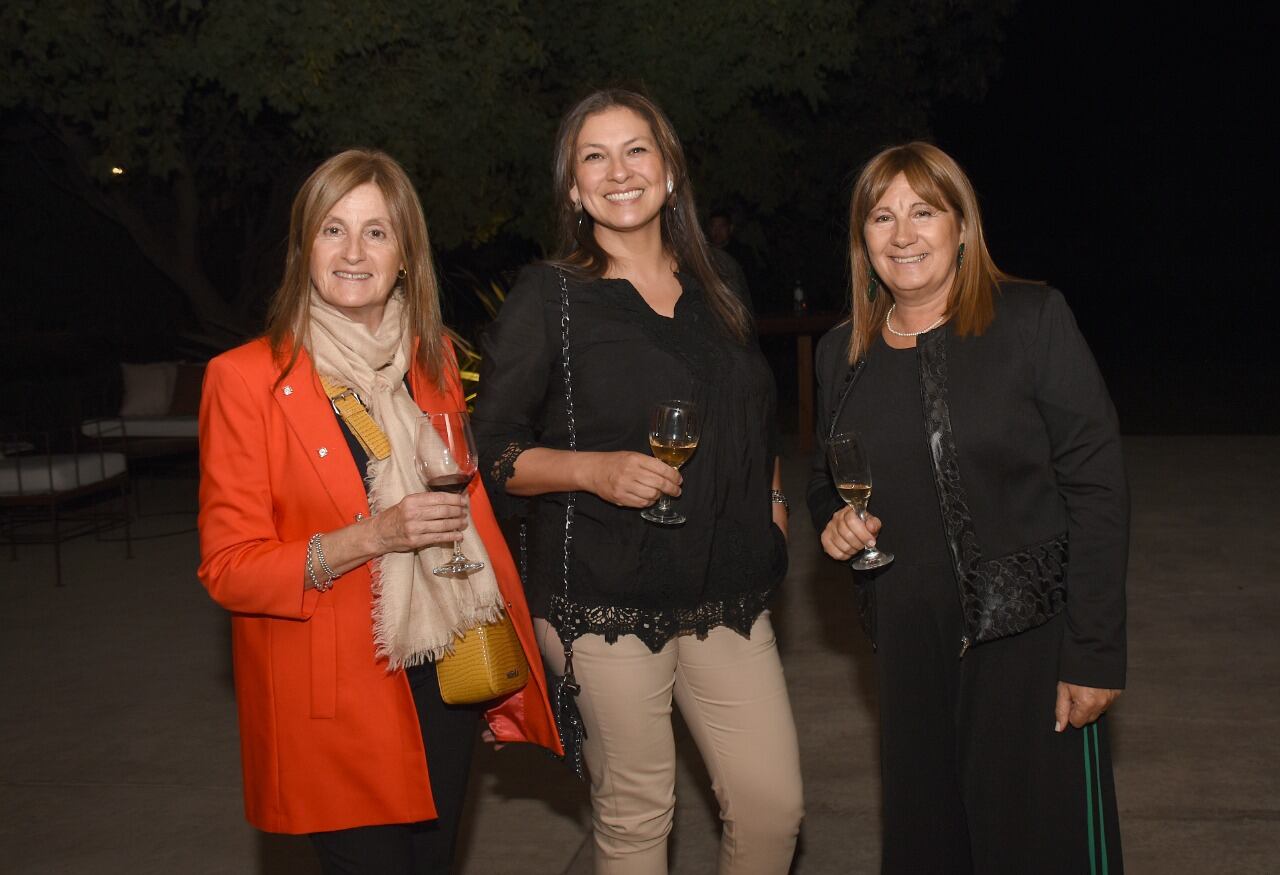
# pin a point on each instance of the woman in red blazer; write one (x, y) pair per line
(343, 734)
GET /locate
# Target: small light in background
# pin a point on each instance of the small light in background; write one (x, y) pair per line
(117, 171)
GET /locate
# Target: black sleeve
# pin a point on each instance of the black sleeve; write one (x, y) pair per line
(1084, 438)
(517, 355)
(830, 369)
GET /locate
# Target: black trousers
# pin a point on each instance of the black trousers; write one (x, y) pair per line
(976, 782)
(426, 848)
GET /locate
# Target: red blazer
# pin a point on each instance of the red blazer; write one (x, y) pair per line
(329, 738)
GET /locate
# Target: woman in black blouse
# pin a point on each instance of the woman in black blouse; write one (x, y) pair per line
(1000, 626)
(650, 611)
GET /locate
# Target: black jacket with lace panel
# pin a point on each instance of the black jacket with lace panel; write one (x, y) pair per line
(626, 575)
(1027, 465)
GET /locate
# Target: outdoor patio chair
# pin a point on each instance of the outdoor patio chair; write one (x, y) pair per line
(55, 486)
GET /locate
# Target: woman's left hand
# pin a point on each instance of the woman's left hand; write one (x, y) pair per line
(1079, 706)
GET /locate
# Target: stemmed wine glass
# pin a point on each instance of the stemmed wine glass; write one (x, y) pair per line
(852, 472)
(673, 436)
(445, 456)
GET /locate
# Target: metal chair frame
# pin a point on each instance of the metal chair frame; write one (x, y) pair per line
(52, 517)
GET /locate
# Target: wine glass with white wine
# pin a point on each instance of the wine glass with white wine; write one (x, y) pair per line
(851, 471)
(445, 456)
(673, 436)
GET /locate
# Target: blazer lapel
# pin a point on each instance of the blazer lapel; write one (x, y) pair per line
(307, 409)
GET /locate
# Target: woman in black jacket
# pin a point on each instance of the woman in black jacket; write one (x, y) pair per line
(999, 628)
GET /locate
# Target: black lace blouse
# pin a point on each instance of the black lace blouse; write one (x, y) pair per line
(626, 575)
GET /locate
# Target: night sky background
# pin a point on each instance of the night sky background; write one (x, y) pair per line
(1124, 155)
(1121, 154)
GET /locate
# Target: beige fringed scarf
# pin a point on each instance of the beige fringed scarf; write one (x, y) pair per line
(416, 614)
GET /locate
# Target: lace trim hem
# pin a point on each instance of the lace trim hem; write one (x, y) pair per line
(656, 627)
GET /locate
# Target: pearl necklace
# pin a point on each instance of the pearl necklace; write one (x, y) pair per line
(896, 333)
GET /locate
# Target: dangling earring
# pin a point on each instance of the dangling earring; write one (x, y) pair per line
(873, 284)
(671, 186)
(401, 273)
(960, 257)
(577, 208)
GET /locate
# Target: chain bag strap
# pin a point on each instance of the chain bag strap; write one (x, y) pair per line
(564, 688)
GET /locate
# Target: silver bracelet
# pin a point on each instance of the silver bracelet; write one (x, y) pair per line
(777, 496)
(316, 551)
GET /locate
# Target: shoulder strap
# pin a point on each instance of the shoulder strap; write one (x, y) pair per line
(350, 406)
(568, 410)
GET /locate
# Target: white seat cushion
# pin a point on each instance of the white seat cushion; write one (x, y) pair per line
(42, 475)
(143, 427)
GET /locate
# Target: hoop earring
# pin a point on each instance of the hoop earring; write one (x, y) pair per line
(671, 186)
(873, 284)
(401, 273)
(960, 257)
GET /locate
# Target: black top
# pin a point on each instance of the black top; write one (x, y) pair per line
(892, 432)
(626, 575)
(1024, 452)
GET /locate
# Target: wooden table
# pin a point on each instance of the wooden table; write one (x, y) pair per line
(802, 326)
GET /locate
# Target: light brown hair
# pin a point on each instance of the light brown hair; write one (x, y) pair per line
(578, 252)
(289, 314)
(938, 180)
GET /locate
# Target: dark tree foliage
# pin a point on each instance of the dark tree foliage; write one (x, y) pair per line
(216, 110)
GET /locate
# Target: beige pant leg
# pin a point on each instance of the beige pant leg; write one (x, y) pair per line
(733, 697)
(630, 749)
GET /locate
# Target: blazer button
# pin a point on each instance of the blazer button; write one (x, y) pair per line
(322, 452)
(288, 390)
(359, 517)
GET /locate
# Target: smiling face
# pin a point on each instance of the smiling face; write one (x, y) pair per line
(355, 257)
(619, 176)
(912, 244)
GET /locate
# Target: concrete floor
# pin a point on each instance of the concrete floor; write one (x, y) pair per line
(119, 753)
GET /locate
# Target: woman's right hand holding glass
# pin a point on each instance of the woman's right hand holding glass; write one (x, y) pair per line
(846, 534)
(421, 519)
(629, 479)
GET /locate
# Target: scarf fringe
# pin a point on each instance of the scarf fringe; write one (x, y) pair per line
(425, 655)
(401, 654)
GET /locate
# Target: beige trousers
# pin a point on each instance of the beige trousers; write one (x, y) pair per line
(733, 697)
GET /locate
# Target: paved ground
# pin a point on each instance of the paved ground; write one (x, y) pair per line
(118, 747)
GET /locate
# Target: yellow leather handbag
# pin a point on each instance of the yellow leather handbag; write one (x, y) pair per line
(486, 663)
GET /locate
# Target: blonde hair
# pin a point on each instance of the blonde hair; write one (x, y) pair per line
(579, 253)
(290, 309)
(937, 178)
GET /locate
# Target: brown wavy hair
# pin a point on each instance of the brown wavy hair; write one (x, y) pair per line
(290, 311)
(937, 178)
(580, 255)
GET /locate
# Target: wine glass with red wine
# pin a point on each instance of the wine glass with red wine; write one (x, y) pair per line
(445, 455)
